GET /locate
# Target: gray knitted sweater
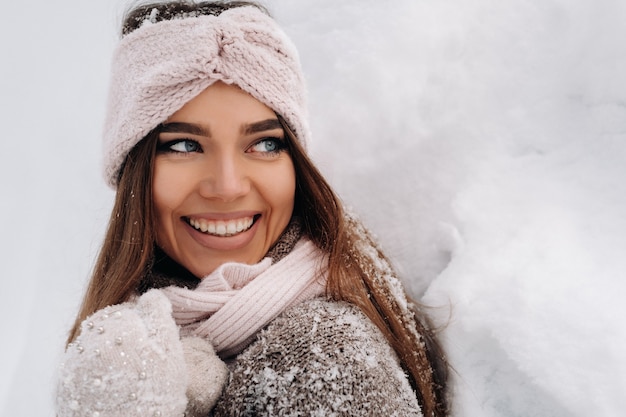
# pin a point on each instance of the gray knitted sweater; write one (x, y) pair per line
(320, 358)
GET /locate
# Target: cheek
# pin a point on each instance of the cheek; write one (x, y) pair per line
(166, 190)
(283, 189)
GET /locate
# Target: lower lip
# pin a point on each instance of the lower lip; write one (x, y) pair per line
(223, 243)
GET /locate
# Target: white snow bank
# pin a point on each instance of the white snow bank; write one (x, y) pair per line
(485, 144)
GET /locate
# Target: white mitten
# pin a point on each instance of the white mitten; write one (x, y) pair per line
(207, 376)
(127, 361)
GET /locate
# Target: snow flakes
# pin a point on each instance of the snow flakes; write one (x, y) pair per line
(151, 18)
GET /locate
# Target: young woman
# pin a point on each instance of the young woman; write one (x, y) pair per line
(231, 281)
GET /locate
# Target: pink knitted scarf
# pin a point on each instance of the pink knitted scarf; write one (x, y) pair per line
(236, 300)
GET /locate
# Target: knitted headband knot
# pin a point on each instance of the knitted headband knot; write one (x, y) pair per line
(161, 66)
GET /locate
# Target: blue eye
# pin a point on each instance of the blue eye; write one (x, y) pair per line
(180, 146)
(268, 145)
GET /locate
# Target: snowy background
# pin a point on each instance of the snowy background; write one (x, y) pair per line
(484, 141)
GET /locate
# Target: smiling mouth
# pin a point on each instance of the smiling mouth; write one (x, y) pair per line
(222, 228)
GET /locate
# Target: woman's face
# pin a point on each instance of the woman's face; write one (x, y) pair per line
(224, 182)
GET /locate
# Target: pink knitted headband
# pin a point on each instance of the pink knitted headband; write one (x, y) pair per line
(161, 66)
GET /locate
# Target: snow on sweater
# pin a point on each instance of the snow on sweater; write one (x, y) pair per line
(320, 358)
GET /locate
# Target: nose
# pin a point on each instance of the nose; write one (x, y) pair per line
(225, 179)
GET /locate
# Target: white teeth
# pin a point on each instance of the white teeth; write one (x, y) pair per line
(222, 227)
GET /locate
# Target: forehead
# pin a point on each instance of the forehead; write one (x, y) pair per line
(222, 102)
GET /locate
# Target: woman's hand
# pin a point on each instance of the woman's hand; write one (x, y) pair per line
(127, 361)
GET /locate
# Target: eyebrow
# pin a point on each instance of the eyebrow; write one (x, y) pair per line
(262, 126)
(198, 130)
(180, 127)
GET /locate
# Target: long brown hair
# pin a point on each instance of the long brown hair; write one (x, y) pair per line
(127, 252)
(359, 272)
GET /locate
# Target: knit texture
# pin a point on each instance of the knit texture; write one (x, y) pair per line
(287, 240)
(235, 301)
(161, 66)
(319, 358)
(127, 362)
(207, 376)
